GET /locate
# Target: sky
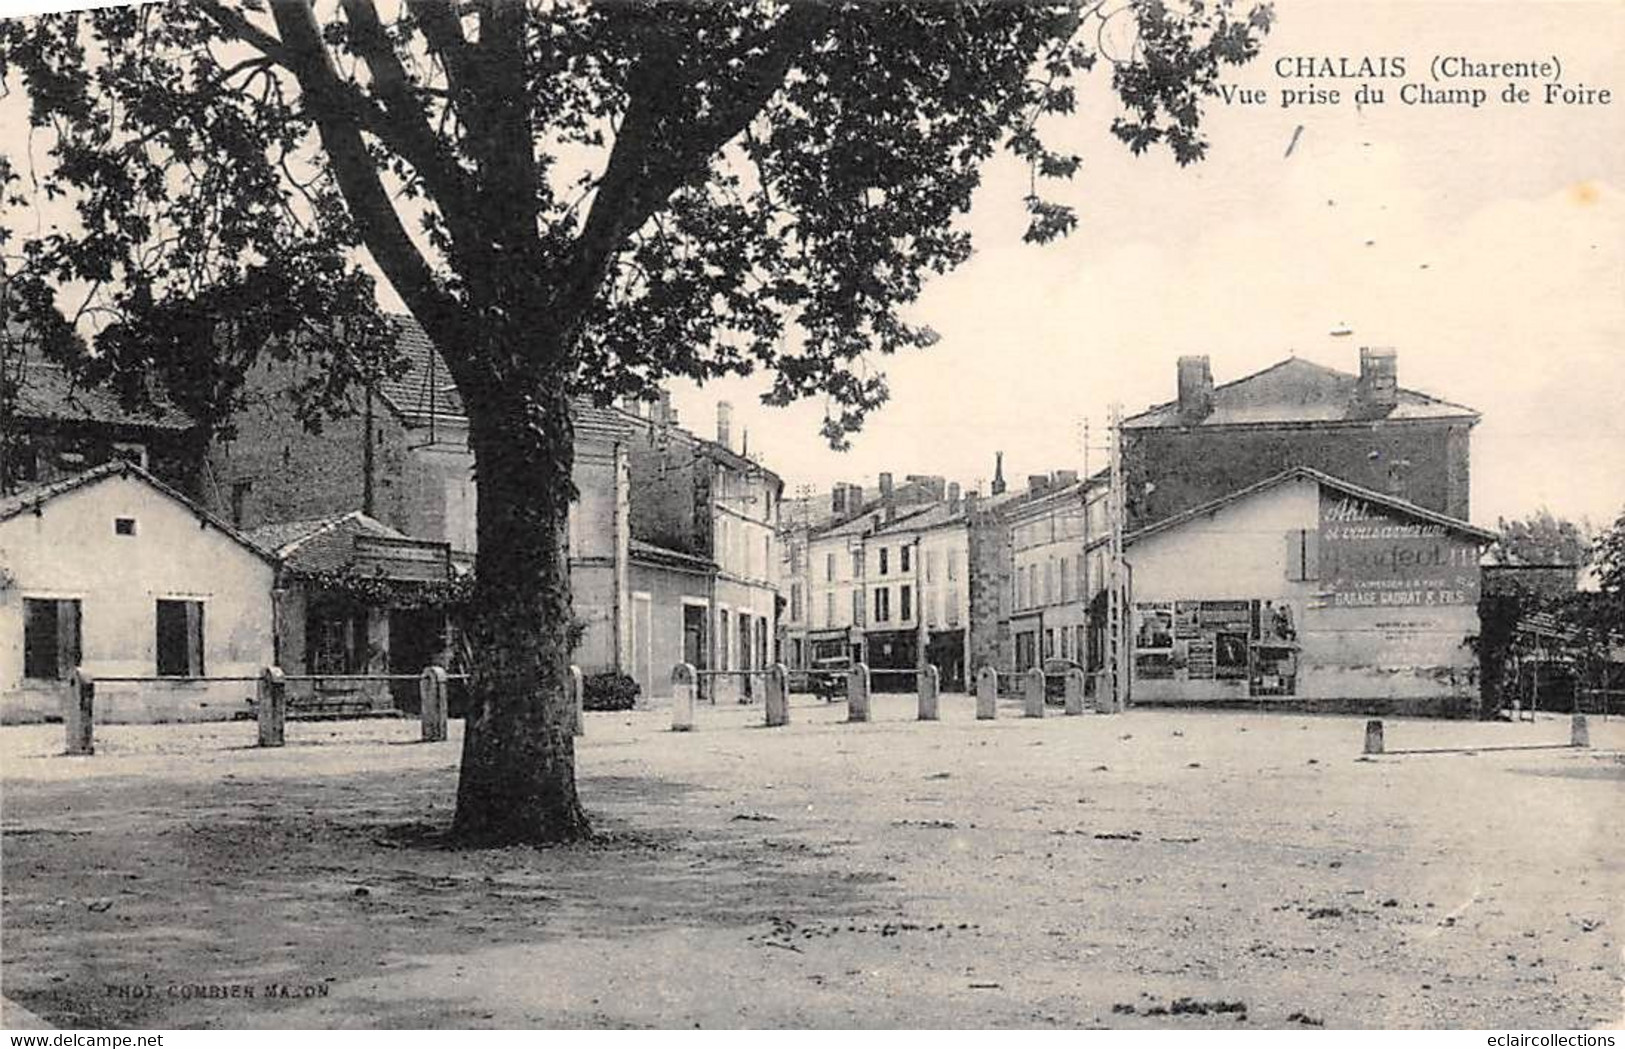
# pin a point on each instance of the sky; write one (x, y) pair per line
(1487, 246)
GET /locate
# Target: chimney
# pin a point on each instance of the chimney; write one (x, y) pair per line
(971, 501)
(953, 496)
(1038, 482)
(1195, 389)
(1065, 477)
(838, 496)
(663, 413)
(725, 419)
(888, 502)
(1378, 388)
(997, 487)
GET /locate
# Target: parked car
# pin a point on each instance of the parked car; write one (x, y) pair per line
(827, 677)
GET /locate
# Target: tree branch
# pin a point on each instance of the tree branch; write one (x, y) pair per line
(639, 178)
(237, 25)
(355, 172)
(404, 124)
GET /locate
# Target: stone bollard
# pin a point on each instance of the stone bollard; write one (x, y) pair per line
(1074, 690)
(684, 681)
(1579, 731)
(79, 712)
(578, 700)
(1032, 693)
(1373, 737)
(272, 709)
(929, 683)
(777, 704)
(987, 694)
(857, 693)
(1103, 693)
(432, 703)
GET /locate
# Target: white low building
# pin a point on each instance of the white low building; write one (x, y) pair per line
(1304, 587)
(116, 572)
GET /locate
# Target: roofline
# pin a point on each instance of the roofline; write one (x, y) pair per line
(1309, 473)
(288, 549)
(125, 468)
(655, 555)
(1315, 364)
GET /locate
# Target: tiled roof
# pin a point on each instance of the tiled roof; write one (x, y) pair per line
(1296, 391)
(284, 537)
(35, 497)
(426, 386)
(48, 391)
(325, 544)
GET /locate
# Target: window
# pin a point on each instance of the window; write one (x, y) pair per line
(829, 608)
(1049, 644)
(857, 607)
(882, 602)
(829, 568)
(180, 638)
(335, 638)
(123, 526)
(1066, 580)
(1049, 581)
(767, 554)
(952, 599)
(902, 559)
(795, 601)
(884, 552)
(930, 566)
(50, 639)
(857, 564)
(1303, 555)
(953, 564)
(905, 602)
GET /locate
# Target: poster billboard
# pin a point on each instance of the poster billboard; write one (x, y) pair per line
(1372, 557)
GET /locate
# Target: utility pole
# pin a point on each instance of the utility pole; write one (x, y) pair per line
(1117, 656)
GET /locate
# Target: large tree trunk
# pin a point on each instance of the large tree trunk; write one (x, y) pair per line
(517, 781)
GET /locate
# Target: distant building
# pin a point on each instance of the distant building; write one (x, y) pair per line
(704, 521)
(1306, 588)
(356, 597)
(52, 426)
(1365, 429)
(115, 571)
(807, 520)
(1052, 578)
(402, 459)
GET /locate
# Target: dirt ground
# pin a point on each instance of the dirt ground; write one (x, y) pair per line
(1151, 869)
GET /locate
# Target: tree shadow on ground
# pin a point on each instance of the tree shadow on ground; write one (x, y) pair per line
(120, 891)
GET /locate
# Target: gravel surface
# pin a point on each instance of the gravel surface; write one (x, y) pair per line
(1150, 869)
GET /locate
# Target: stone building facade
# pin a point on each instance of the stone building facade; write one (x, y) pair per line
(1365, 429)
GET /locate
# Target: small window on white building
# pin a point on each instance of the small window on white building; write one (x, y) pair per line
(180, 638)
(123, 526)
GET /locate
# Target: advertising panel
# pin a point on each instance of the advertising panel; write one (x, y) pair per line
(1371, 557)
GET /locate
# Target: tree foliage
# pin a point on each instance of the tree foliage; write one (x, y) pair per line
(1543, 538)
(572, 199)
(697, 190)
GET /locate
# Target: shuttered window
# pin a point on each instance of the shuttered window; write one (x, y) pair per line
(1303, 555)
(51, 644)
(180, 638)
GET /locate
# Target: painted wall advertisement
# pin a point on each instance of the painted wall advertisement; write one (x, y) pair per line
(1374, 558)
